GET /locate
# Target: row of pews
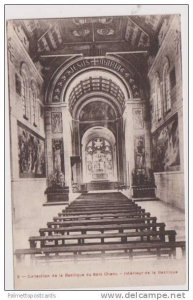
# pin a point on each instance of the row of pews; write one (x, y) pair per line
(103, 224)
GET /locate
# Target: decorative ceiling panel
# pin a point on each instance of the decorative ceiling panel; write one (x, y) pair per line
(136, 36)
(108, 29)
(149, 23)
(76, 30)
(52, 41)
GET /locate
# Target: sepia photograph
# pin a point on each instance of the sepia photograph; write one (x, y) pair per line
(97, 143)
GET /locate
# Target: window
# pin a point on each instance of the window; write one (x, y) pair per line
(173, 78)
(35, 104)
(25, 91)
(25, 100)
(157, 99)
(166, 86)
(18, 84)
(34, 100)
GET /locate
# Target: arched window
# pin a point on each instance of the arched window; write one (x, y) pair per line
(25, 91)
(157, 99)
(166, 86)
(34, 104)
(37, 113)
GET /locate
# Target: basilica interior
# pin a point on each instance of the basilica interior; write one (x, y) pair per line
(95, 108)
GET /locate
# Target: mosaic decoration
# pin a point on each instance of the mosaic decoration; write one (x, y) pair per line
(83, 64)
(81, 32)
(11, 50)
(166, 152)
(139, 152)
(136, 36)
(31, 153)
(97, 110)
(58, 154)
(56, 122)
(138, 118)
(105, 31)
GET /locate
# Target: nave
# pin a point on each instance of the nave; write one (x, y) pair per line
(97, 123)
(104, 225)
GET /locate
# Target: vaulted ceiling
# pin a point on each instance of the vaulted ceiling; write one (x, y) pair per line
(51, 41)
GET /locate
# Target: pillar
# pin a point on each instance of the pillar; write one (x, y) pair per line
(48, 130)
(67, 140)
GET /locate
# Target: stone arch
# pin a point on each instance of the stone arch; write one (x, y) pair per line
(67, 73)
(24, 69)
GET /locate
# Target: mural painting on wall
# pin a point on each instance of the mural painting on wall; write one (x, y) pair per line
(138, 118)
(56, 122)
(166, 152)
(31, 153)
(97, 111)
(58, 155)
(139, 152)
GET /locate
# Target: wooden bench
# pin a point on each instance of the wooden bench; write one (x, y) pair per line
(106, 207)
(101, 216)
(128, 249)
(102, 201)
(103, 238)
(107, 210)
(94, 212)
(112, 195)
(106, 204)
(71, 223)
(102, 228)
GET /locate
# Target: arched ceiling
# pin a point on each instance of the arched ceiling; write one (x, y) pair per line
(87, 88)
(96, 80)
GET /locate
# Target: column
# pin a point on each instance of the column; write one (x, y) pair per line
(48, 130)
(67, 140)
(129, 141)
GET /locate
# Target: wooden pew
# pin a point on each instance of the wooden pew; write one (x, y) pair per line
(102, 228)
(104, 195)
(71, 223)
(101, 205)
(98, 202)
(102, 201)
(128, 249)
(150, 235)
(114, 211)
(101, 216)
(104, 211)
(99, 208)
